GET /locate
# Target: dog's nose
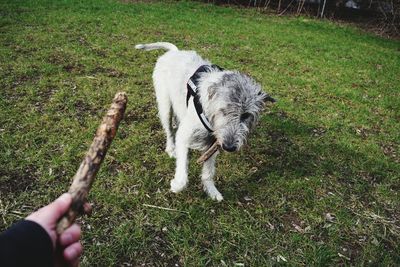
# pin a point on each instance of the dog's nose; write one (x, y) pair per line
(229, 148)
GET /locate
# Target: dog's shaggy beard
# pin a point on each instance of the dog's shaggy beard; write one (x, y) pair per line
(233, 105)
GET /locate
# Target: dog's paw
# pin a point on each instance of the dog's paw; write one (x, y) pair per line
(216, 196)
(212, 191)
(170, 149)
(177, 185)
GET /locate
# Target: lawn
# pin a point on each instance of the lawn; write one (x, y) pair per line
(318, 183)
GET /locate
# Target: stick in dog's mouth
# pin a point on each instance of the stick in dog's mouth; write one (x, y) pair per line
(209, 152)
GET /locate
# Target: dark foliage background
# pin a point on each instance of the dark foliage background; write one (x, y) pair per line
(382, 16)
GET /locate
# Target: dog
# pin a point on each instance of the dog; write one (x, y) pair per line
(209, 104)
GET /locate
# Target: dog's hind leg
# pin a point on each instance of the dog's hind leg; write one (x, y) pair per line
(183, 135)
(164, 112)
(207, 176)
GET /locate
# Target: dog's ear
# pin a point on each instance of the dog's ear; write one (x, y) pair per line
(212, 90)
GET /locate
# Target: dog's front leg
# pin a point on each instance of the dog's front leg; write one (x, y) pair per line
(207, 176)
(181, 149)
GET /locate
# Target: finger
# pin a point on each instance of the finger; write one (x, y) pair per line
(72, 252)
(57, 208)
(70, 235)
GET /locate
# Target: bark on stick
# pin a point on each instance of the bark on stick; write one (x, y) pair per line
(206, 155)
(87, 171)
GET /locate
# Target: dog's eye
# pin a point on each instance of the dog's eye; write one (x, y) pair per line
(245, 117)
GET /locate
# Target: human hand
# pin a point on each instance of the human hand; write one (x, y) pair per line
(67, 246)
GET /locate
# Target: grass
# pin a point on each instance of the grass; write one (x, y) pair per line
(317, 184)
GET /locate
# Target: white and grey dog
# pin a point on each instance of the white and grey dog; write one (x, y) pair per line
(230, 101)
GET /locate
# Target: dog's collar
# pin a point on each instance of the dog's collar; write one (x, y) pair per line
(192, 89)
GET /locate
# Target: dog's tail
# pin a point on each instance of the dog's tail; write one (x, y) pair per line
(159, 45)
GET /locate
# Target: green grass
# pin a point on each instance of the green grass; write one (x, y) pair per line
(329, 145)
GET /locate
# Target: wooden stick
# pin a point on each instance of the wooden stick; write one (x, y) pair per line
(206, 155)
(87, 171)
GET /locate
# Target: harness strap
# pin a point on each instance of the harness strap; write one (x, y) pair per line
(192, 88)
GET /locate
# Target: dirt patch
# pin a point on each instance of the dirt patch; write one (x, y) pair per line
(57, 58)
(291, 220)
(370, 177)
(391, 150)
(67, 62)
(17, 181)
(351, 249)
(83, 109)
(139, 115)
(23, 50)
(23, 78)
(110, 72)
(113, 167)
(47, 92)
(74, 67)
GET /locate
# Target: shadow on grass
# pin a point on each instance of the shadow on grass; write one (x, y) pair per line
(297, 172)
(296, 150)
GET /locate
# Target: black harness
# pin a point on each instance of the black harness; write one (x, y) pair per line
(192, 88)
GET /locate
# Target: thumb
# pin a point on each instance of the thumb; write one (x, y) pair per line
(57, 208)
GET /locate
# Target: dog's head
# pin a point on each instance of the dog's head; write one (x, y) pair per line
(234, 105)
